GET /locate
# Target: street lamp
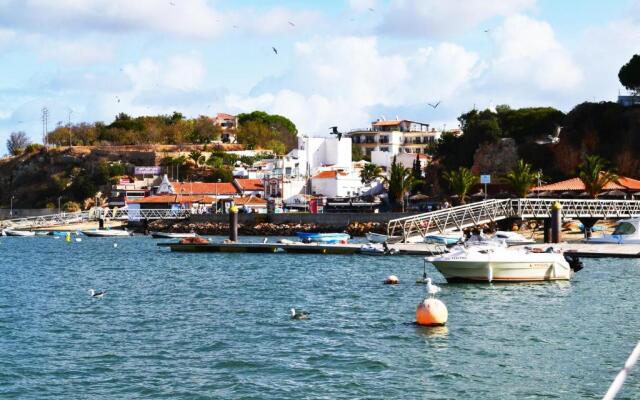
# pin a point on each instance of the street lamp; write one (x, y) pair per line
(11, 209)
(217, 195)
(59, 208)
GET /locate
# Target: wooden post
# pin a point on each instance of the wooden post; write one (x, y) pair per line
(547, 230)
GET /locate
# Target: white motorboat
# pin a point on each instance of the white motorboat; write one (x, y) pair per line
(11, 232)
(512, 238)
(627, 231)
(502, 264)
(376, 237)
(372, 250)
(106, 233)
(446, 238)
(172, 235)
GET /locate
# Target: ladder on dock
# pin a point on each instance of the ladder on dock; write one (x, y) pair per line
(416, 227)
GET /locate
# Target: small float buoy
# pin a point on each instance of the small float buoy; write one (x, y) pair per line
(78, 239)
(391, 280)
(115, 245)
(67, 238)
(431, 312)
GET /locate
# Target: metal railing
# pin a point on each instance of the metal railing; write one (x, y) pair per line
(488, 211)
(122, 214)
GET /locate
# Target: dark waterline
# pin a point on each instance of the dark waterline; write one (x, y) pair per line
(176, 325)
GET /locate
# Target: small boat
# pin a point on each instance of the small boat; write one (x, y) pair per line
(105, 233)
(60, 233)
(502, 264)
(172, 235)
(371, 250)
(42, 233)
(323, 237)
(446, 238)
(376, 237)
(11, 232)
(627, 231)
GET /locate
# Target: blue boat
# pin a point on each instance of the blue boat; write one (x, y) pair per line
(323, 237)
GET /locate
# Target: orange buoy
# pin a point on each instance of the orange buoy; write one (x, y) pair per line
(391, 280)
(431, 312)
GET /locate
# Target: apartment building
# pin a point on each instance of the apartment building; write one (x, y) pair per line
(395, 136)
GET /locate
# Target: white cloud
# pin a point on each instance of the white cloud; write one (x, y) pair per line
(78, 52)
(442, 17)
(274, 21)
(178, 72)
(6, 36)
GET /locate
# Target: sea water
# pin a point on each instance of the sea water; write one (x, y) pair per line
(207, 325)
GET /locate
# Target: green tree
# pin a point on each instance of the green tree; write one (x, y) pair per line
(399, 182)
(197, 157)
(276, 146)
(521, 179)
(356, 153)
(369, 173)
(224, 174)
(594, 176)
(279, 128)
(629, 74)
(215, 161)
(460, 182)
(17, 142)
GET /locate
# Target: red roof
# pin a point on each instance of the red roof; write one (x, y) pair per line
(224, 188)
(575, 184)
(225, 116)
(329, 175)
(249, 184)
(172, 199)
(249, 201)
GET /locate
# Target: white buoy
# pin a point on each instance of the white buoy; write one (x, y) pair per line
(115, 245)
(391, 280)
(78, 239)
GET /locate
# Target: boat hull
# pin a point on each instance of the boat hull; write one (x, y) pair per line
(330, 238)
(170, 235)
(502, 271)
(106, 233)
(19, 233)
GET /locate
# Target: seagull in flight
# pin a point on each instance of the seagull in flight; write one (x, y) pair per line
(291, 23)
(118, 98)
(334, 131)
(371, 9)
(551, 139)
(299, 314)
(97, 295)
(434, 106)
(432, 289)
(275, 50)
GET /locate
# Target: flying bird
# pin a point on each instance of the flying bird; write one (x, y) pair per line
(299, 314)
(97, 295)
(551, 139)
(291, 23)
(275, 50)
(172, 3)
(432, 289)
(118, 98)
(371, 9)
(334, 131)
(434, 106)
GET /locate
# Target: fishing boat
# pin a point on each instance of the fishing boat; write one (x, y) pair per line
(446, 238)
(372, 250)
(105, 233)
(11, 232)
(172, 235)
(502, 264)
(627, 231)
(323, 237)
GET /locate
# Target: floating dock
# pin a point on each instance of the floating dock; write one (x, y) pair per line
(421, 249)
(586, 250)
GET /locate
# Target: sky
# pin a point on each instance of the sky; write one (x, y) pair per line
(338, 62)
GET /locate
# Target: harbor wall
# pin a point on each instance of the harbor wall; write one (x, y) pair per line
(26, 212)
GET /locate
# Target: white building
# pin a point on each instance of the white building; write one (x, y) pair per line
(385, 159)
(396, 137)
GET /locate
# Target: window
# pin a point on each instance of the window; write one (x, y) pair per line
(384, 139)
(384, 148)
(624, 228)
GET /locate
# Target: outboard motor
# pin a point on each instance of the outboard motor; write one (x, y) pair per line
(574, 262)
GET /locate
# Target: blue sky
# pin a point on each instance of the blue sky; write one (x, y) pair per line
(342, 62)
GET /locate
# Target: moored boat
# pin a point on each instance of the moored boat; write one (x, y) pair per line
(172, 235)
(502, 264)
(627, 231)
(323, 237)
(105, 233)
(446, 238)
(513, 238)
(11, 232)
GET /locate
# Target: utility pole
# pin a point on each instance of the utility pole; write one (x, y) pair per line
(69, 125)
(45, 118)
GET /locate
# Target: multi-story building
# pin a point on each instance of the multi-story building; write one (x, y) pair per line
(395, 136)
(228, 123)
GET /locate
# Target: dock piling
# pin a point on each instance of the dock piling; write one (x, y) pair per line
(233, 223)
(556, 223)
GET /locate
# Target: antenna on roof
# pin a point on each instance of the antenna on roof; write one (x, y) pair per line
(383, 118)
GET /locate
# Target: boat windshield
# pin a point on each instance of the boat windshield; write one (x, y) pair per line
(624, 228)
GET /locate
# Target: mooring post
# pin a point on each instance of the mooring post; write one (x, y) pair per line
(101, 223)
(145, 226)
(233, 223)
(546, 230)
(556, 222)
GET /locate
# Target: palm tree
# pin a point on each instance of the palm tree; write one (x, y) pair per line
(593, 175)
(369, 173)
(400, 181)
(460, 182)
(521, 178)
(197, 157)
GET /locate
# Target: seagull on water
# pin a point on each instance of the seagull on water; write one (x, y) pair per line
(432, 289)
(97, 295)
(301, 314)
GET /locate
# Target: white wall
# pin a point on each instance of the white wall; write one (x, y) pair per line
(322, 151)
(385, 159)
(341, 186)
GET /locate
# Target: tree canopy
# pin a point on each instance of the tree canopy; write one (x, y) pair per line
(17, 143)
(629, 74)
(261, 130)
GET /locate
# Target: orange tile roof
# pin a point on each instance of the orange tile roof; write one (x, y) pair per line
(249, 184)
(249, 201)
(172, 199)
(328, 175)
(224, 188)
(387, 123)
(575, 184)
(225, 116)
